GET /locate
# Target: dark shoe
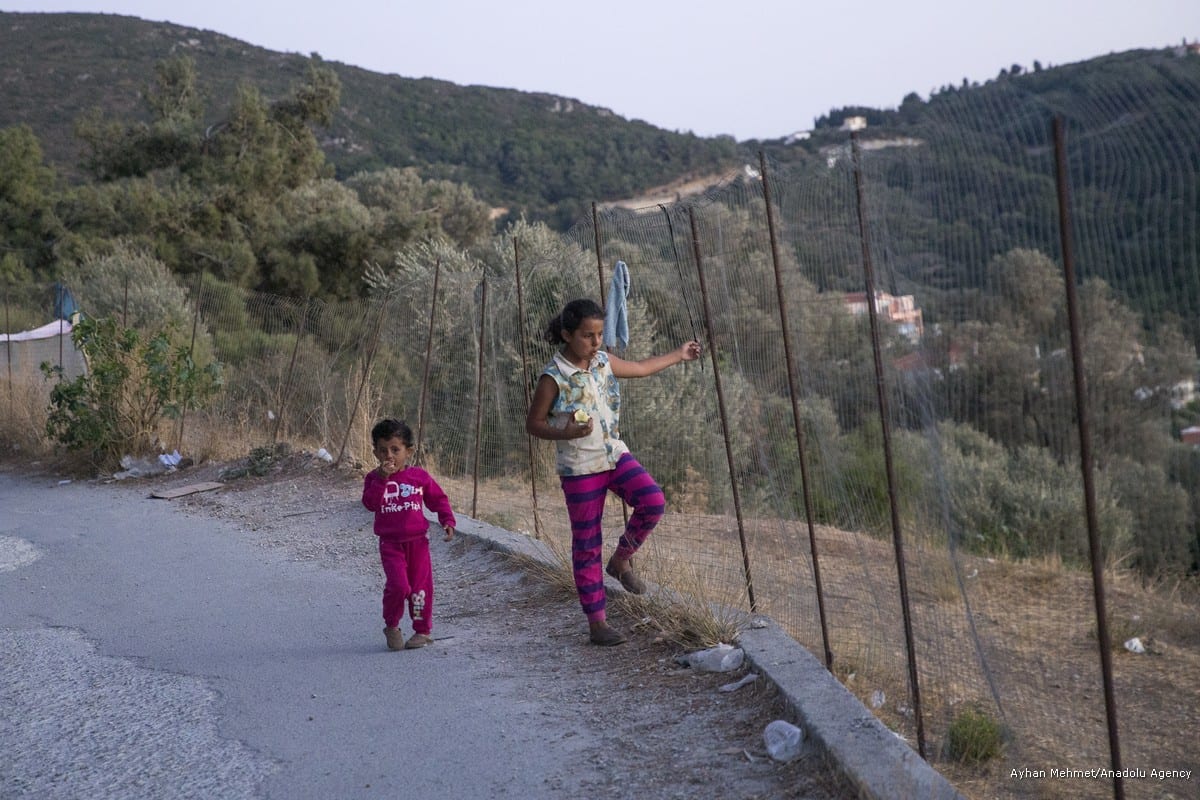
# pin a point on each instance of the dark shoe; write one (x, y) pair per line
(607, 637)
(395, 639)
(629, 579)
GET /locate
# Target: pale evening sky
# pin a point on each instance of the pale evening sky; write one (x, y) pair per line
(749, 69)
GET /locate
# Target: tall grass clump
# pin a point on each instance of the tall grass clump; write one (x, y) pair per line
(973, 738)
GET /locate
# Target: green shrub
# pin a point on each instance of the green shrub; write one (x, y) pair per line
(131, 384)
(130, 285)
(1022, 503)
(973, 737)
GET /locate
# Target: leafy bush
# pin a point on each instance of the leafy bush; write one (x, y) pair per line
(855, 483)
(1022, 503)
(130, 285)
(1161, 512)
(131, 384)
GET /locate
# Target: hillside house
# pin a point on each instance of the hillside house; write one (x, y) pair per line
(1183, 393)
(901, 312)
(1187, 48)
(1190, 436)
(834, 152)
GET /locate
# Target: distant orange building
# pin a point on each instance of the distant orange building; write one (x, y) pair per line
(899, 311)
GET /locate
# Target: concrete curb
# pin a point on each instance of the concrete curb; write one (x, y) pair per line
(880, 764)
(877, 761)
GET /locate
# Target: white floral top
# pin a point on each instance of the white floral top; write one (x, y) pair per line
(594, 390)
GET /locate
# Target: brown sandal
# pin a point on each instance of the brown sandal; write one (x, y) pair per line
(607, 637)
(629, 579)
(395, 639)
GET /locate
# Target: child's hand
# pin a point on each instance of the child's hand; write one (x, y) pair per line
(690, 351)
(449, 533)
(579, 429)
(386, 468)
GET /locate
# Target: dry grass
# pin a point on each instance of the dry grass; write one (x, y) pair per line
(213, 439)
(26, 399)
(679, 618)
(1025, 655)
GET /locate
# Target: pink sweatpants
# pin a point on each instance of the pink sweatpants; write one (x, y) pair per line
(585, 495)
(409, 574)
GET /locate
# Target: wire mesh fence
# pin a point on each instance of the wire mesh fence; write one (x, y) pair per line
(882, 446)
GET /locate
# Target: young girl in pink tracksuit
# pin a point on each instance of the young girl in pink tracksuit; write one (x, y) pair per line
(399, 495)
(577, 404)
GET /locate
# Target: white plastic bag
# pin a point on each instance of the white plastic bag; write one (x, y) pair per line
(783, 740)
(721, 658)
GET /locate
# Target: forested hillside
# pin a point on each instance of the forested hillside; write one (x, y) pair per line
(94, 91)
(544, 155)
(973, 169)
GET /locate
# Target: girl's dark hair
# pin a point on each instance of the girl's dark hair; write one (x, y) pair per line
(391, 429)
(572, 314)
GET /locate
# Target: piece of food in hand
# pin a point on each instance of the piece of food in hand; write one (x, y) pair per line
(581, 416)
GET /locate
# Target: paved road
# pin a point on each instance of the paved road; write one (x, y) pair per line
(147, 653)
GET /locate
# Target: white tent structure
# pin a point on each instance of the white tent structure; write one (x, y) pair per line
(21, 354)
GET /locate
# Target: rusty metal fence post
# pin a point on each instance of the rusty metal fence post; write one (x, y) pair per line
(886, 430)
(362, 384)
(479, 400)
(537, 521)
(712, 351)
(8, 351)
(191, 353)
(599, 258)
(287, 383)
(437, 273)
(1103, 636)
(797, 422)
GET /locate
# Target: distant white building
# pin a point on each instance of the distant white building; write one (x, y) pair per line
(834, 152)
(853, 124)
(899, 311)
(1183, 393)
(1187, 48)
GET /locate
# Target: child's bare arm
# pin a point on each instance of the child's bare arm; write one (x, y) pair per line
(537, 421)
(688, 351)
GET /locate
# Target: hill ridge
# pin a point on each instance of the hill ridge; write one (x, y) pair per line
(538, 153)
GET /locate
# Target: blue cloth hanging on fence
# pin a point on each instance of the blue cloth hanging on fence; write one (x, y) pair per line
(616, 318)
(64, 302)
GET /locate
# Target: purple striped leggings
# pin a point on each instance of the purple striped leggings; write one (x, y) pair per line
(585, 496)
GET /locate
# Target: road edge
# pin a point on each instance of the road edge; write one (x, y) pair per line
(878, 762)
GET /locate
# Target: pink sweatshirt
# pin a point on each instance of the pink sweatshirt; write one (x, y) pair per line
(399, 501)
